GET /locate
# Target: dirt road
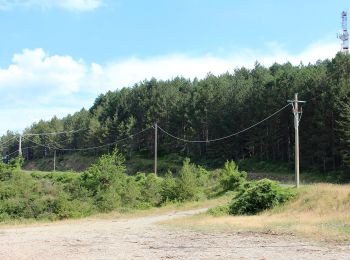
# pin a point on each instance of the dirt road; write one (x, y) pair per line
(143, 238)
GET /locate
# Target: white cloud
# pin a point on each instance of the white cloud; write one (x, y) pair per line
(129, 71)
(38, 85)
(71, 5)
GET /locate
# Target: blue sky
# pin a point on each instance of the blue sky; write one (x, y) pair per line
(57, 56)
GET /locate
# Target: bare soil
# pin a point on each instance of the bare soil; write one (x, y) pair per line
(143, 238)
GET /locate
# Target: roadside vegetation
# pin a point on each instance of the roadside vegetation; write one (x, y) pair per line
(105, 187)
(319, 212)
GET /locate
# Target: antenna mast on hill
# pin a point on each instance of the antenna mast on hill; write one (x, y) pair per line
(345, 35)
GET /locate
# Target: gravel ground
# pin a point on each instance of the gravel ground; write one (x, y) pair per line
(143, 238)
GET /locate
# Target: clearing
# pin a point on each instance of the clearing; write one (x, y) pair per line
(142, 237)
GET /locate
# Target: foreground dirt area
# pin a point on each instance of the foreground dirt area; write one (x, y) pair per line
(143, 238)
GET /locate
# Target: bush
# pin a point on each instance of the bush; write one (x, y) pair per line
(186, 188)
(103, 174)
(168, 188)
(107, 200)
(230, 177)
(151, 190)
(131, 194)
(66, 207)
(258, 196)
(221, 210)
(7, 170)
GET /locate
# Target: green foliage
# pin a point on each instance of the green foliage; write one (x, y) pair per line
(104, 174)
(151, 190)
(132, 193)
(221, 210)
(187, 186)
(107, 200)
(230, 177)
(16, 163)
(168, 188)
(105, 186)
(7, 170)
(258, 196)
(66, 207)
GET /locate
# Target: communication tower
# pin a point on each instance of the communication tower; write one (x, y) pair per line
(344, 36)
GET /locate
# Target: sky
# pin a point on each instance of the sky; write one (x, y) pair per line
(57, 56)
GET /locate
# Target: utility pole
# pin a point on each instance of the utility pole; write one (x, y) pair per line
(296, 112)
(54, 161)
(155, 147)
(20, 146)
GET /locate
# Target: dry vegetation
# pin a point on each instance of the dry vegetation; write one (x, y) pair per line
(320, 212)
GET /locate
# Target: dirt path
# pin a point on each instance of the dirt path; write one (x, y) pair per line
(142, 238)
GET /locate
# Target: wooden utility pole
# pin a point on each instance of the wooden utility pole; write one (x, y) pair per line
(54, 161)
(155, 147)
(20, 146)
(296, 113)
(296, 127)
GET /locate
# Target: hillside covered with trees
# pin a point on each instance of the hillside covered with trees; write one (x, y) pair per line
(211, 108)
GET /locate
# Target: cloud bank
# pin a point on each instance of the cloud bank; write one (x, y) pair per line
(37, 85)
(71, 5)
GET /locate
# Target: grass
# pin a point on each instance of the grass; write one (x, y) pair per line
(284, 172)
(320, 212)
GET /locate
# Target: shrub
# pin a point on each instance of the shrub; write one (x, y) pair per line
(230, 177)
(151, 190)
(107, 200)
(132, 193)
(221, 210)
(7, 170)
(66, 207)
(258, 196)
(168, 188)
(187, 188)
(103, 174)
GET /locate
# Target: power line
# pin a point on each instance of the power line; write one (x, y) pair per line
(13, 153)
(225, 137)
(89, 148)
(56, 133)
(2, 144)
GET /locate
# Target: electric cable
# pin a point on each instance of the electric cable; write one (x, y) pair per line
(225, 137)
(89, 148)
(56, 133)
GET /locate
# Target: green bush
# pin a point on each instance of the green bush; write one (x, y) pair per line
(131, 195)
(258, 196)
(230, 177)
(151, 190)
(107, 200)
(7, 170)
(221, 210)
(186, 187)
(66, 207)
(168, 188)
(104, 173)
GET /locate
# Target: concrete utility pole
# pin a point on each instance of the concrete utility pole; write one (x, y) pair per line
(155, 147)
(20, 146)
(296, 112)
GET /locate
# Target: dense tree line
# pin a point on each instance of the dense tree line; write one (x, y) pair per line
(214, 107)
